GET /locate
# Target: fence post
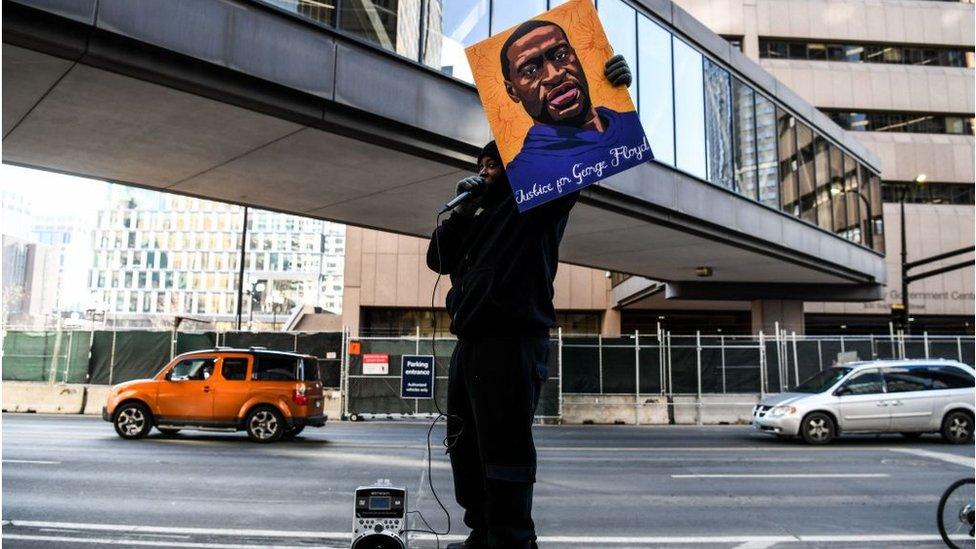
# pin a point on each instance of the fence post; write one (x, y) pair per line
(874, 349)
(599, 358)
(416, 351)
(779, 355)
(662, 382)
(344, 373)
(925, 340)
(722, 344)
(637, 405)
(295, 348)
(670, 378)
(796, 362)
(698, 350)
(959, 347)
(67, 358)
(54, 353)
(820, 354)
(843, 348)
(891, 338)
(111, 357)
(762, 365)
(559, 355)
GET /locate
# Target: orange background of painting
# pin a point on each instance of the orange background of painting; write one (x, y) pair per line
(509, 121)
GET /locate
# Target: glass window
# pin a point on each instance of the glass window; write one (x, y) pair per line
(766, 145)
(718, 125)
(744, 138)
(905, 380)
(877, 215)
(275, 368)
(786, 139)
(452, 26)
(392, 24)
(822, 174)
(864, 383)
(949, 377)
(234, 369)
(656, 99)
(837, 188)
(689, 109)
(852, 190)
(196, 369)
(620, 23)
(507, 13)
(805, 171)
(863, 53)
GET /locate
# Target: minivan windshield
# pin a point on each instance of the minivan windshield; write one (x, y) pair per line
(821, 381)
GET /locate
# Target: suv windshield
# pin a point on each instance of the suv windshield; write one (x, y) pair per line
(822, 381)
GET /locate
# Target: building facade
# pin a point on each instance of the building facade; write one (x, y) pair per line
(897, 75)
(158, 255)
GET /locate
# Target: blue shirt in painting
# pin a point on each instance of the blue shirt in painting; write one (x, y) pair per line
(556, 160)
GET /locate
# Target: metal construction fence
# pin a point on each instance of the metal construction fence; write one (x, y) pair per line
(107, 357)
(637, 364)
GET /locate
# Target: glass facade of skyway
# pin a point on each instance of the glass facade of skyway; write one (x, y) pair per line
(700, 117)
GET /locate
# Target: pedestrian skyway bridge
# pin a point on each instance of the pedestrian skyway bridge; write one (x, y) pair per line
(242, 101)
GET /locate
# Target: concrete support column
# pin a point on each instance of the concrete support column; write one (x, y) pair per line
(611, 323)
(767, 312)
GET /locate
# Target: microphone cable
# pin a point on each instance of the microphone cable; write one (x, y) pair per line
(449, 441)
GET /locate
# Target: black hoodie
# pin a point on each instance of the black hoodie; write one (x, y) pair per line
(502, 264)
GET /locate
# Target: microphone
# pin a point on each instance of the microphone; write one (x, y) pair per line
(456, 201)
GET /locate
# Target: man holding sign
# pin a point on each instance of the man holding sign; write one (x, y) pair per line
(502, 253)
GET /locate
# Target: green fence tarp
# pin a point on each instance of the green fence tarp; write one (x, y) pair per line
(27, 355)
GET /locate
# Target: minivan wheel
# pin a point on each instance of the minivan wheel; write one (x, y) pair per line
(817, 428)
(132, 420)
(957, 428)
(265, 424)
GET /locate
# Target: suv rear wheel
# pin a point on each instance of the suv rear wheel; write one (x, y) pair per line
(817, 428)
(957, 428)
(265, 424)
(132, 420)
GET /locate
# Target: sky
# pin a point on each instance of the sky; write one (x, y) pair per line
(53, 193)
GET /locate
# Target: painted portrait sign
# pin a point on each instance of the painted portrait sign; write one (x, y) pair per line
(559, 123)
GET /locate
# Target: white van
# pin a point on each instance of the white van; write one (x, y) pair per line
(910, 397)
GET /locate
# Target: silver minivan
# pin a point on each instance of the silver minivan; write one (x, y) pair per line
(910, 397)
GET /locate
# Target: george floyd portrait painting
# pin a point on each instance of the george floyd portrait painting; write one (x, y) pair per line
(559, 123)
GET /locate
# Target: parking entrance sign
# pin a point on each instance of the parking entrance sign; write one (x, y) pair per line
(417, 379)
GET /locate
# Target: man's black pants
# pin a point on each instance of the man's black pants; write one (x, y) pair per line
(492, 393)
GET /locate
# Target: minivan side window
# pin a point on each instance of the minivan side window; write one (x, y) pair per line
(275, 368)
(864, 383)
(906, 380)
(234, 369)
(947, 377)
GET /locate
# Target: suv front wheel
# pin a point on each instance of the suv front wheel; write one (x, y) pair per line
(132, 420)
(265, 424)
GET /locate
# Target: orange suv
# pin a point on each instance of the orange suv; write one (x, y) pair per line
(269, 394)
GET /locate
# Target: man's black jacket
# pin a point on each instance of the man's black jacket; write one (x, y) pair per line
(502, 265)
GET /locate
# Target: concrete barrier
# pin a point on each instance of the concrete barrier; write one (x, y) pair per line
(332, 407)
(714, 409)
(614, 409)
(43, 398)
(97, 396)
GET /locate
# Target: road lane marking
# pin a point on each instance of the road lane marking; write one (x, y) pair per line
(133, 529)
(964, 461)
(143, 542)
(789, 475)
(757, 540)
(33, 461)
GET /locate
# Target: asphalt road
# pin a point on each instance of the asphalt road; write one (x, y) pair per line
(69, 481)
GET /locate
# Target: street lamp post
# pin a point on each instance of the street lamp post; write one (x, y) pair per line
(919, 180)
(256, 287)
